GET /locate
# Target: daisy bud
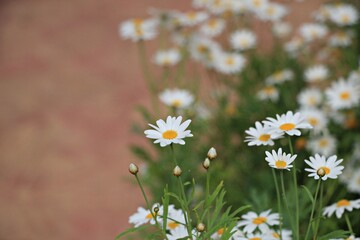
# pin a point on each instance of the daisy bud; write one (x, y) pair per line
(321, 172)
(177, 171)
(133, 168)
(206, 163)
(212, 153)
(200, 227)
(156, 209)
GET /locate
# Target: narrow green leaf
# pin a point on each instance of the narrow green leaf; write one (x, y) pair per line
(308, 193)
(335, 234)
(131, 230)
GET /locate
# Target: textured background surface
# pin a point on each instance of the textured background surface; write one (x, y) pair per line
(68, 87)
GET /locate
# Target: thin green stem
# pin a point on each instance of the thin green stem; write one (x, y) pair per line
(313, 210)
(349, 223)
(319, 213)
(296, 193)
(283, 193)
(278, 201)
(207, 192)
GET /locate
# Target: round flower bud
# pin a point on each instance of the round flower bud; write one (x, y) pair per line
(133, 168)
(156, 209)
(206, 163)
(200, 227)
(212, 153)
(177, 171)
(321, 172)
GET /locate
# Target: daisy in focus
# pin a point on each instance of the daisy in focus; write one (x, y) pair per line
(324, 168)
(260, 135)
(288, 123)
(243, 40)
(176, 98)
(139, 29)
(279, 160)
(171, 131)
(252, 221)
(144, 216)
(343, 94)
(167, 58)
(339, 207)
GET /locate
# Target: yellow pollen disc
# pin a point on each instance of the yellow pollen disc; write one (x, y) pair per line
(137, 25)
(169, 134)
(259, 220)
(220, 231)
(275, 235)
(257, 3)
(269, 90)
(229, 61)
(327, 170)
(345, 95)
(287, 126)
(191, 15)
(244, 42)
(255, 238)
(313, 121)
(212, 24)
(280, 164)
(278, 76)
(343, 203)
(149, 216)
(264, 137)
(176, 103)
(202, 49)
(173, 225)
(311, 100)
(270, 11)
(323, 142)
(345, 18)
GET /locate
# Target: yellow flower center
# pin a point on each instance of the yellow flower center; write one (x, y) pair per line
(326, 170)
(311, 101)
(212, 23)
(270, 11)
(343, 203)
(275, 235)
(230, 61)
(345, 95)
(269, 90)
(257, 3)
(264, 137)
(173, 225)
(278, 76)
(220, 231)
(255, 238)
(169, 134)
(323, 142)
(149, 216)
(287, 126)
(259, 220)
(313, 121)
(176, 103)
(137, 25)
(345, 18)
(191, 15)
(280, 164)
(202, 49)
(244, 42)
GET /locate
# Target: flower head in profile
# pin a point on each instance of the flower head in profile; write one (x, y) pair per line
(339, 207)
(252, 221)
(260, 135)
(177, 98)
(139, 29)
(288, 123)
(323, 168)
(279, 160)
(171, 131)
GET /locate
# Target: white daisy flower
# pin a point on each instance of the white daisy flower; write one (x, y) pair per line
(200, 3)
(317, 118)
(171, 131)
(256, 5)
(323, 13)
(339, 207)
(310, 97)
(178, 233)
(204, 50)
(275, 235)
(293, 46)
(340, 39)
(316, 73)
(353, 184)
(229, 63)
(243, 40)
(312, 31)
(279, 77)
(139, 29)
(218, 234)
(279, 160)
(144, 216)
(167, 58)
(325, 145)
(191, 18)
(251, 221)
(343, 94)
(213, 27)
(324, 168)
(272, 12)
(344, 15)
(254, 236)
(352, 237)
(281, 29)
(177, 98)
(260, 135)
(268, 92)
(176, 219)
(288, 123)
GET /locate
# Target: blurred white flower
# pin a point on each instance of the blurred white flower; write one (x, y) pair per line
(316, 73)
(177, 98)
(324, 145)
(242, 40)
(344, 15)
(191, 18)
(167, 58)
(281, 29)
(229, 63)
(139, 29)
(310, 98)
(312, 31)
(212, 27)
(268, 92)
(343, 94)
(339, 207)
(279, 77)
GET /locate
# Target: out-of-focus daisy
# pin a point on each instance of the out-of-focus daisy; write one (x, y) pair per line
(254, 236)
(218, 234)
(344, 15)
(323, 13)
(279, 77)
(213, 27)
(310, 97)
(279, 160)
(252, 221)
(191, 18)
(312, 31)
(143, 216)
(352, 237)
(340, 39)
(138, 29)
(229, 63)
(343, 94)
(315, 117)
(243, 40)
(339, 207)
(260, 135)
(275, 235)
(178, 233)
(324, 168)
(256, 5)
(204, 50)
(325, 145)
(293, 46)
(288, 123)
(268, 92)
(272, 12)
(167, 58)
(171, 131)
(281, 29)
(177, 98)
(354, 181)
(316, 73)
(200, 3)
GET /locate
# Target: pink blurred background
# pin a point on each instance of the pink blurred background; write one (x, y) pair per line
(68, 89)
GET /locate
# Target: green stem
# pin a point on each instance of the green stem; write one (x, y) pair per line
(207, 192)
(285, 199)
(296, 193)
(319, 214)
(348, 223)
(313, 209)
(278, 201)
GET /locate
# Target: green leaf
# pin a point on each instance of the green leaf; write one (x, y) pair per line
(335, 234)
(308, 193)
(131, 230)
